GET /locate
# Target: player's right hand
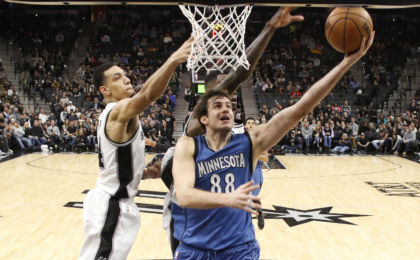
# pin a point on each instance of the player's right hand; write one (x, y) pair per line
(181, 55)
(241, 198)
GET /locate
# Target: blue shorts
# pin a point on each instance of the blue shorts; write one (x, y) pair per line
(247, 251)
(257, 176)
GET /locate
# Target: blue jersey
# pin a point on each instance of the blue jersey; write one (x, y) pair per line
(221, 171)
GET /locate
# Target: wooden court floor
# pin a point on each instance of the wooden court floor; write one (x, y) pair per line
(319, 207)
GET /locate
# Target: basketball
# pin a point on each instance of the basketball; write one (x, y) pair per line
(346, 26)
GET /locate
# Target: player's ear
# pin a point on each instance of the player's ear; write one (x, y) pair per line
(203, 120)
(104, 90)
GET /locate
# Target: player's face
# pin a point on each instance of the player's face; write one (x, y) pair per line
(117, 83)
(249, 124)
(220, 114)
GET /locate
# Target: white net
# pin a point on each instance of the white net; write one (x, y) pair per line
(219, 36)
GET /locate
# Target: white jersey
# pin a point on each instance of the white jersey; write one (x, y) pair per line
(121, 165)
(238, 129)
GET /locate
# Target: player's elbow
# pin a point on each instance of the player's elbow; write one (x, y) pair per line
(183, 200)
(301, 109)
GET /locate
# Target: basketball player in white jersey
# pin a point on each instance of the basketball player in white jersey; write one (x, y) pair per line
(111, 218)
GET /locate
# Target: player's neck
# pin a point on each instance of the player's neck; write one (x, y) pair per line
(217, 141)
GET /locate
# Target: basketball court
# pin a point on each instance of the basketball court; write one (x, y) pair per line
(319, 207)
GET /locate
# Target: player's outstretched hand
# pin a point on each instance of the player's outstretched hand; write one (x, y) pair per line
(241, 198)
(283, 17)
(152, 171)
(181, 55)
(364, 47)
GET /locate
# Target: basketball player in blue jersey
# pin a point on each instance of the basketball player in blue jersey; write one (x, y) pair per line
(111, 218)
(212, 172)
(230, 83)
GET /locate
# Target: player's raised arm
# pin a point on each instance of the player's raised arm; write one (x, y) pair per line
(189, 197)
(280, 19)
(266, 135)
(231, 83)
(153, 88)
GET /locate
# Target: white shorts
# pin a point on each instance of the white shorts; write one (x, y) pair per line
(110, 226)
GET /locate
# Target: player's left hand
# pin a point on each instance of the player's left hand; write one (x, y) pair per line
(283, 17)
(152, 171)
(364, 47)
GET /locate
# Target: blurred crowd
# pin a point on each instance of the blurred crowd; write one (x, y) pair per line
(349, 120)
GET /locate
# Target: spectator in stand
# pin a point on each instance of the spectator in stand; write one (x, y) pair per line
(408, 143)
(170, 122)
(293, 143)
(346, 107)
(328, 135)
(354, 127)
(317, 137)
(42, 116)
(18, 133)
(336, 108)
(268, 86)
(353, 85)
(28, 134)
(64, 99)
(38, 134)
(295, 94)
(163, 132)
(4, 148)
(70, 135)
(172, 98)
(239, 116)
(72, 116)
(91, 138)
(53, 127)
(80, 141)
(384, 141)
(307, 134)
(362, 143)
(153, 135)
(414, 106)
(96, 104)
(54, 141)
(370, 132)
(396, 142)
(70, 107)
(344, 144)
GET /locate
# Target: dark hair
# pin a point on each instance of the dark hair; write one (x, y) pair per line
(98, 74)
(202, 104)
(249, 118)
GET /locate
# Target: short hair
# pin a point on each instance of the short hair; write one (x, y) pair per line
(202, 104)
(98, 74)
(250, 118)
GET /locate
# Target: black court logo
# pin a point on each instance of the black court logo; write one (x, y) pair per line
(397, 189)
(292, 217)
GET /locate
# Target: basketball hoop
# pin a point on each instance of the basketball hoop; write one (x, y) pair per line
(219, 36)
